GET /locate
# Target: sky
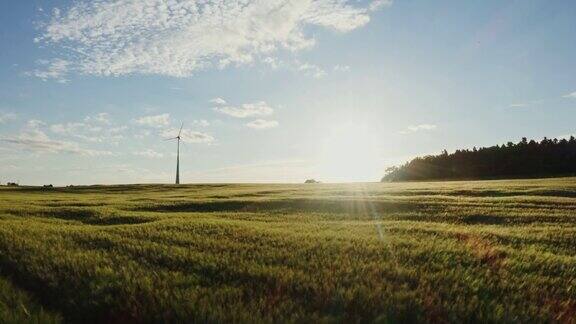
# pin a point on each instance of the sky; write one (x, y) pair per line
(273, 90)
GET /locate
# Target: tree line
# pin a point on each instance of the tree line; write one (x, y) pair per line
(526, 159)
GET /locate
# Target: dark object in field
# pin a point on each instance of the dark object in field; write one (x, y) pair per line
(311, 181)
(48, 186)
(12, 184)
(526, 159)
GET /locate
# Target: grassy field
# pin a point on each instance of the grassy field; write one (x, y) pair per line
(486, 251)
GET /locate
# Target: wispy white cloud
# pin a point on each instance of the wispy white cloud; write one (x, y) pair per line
(96, 128)
(419, 128)
(273, 62)
(342, 68)
(157, 121)
(262, 124)
(188, 136)
(34, 139)
(68, 128)
(530, 103)
(218, 101)
(142, 134)
(379, 4)
(310, 69)
(538, 102)
(178, 38)
(55, 69)
(35, 123)
(101, 118)
(149, 153)
(296, 66)
(201, 123)
(259, 108)
(6, 117)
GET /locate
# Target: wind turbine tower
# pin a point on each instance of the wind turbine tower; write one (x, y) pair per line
(178, 153)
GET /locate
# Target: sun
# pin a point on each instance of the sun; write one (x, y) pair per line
(350, 151)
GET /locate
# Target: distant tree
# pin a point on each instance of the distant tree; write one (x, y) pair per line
(311, 181)
(388, 171)
(549, 157)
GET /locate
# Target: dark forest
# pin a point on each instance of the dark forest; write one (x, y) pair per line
(525, 159)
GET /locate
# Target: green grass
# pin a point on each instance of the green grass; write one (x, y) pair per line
(17, 306)
(483, 251)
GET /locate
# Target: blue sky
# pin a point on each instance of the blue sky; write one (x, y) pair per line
(273, 91)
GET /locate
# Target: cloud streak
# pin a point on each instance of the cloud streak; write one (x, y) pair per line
(149, 153)
(35, 140)
(419, 128)
(296, 66)
(156, 121)
(310, 70)
(179, 38)
(6, 117)
(260, 108)
(94, 128)
(262, 124)
(55, 69)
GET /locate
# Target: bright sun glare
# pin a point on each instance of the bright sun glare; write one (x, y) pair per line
(350, 152)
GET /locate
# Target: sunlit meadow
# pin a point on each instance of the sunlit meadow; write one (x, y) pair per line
(489, 251)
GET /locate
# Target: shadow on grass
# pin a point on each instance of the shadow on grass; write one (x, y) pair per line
(84, 215)
(357, 209)
(485, 219)
(288, 205)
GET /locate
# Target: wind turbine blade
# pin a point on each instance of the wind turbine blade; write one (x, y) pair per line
(180, 132)
(171, 138)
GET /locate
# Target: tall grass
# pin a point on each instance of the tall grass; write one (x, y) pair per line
(486, 251)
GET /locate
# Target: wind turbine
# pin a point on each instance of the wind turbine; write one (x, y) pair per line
(178, 153)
